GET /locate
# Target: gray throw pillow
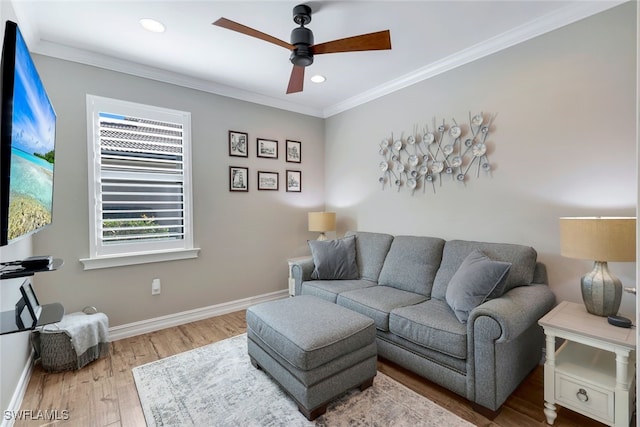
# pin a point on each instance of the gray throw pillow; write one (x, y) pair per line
(476, 279)
(334, 259)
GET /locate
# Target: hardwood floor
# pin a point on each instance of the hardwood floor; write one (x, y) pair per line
(104, 394)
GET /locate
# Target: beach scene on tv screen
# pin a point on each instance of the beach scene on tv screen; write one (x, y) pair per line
(32, 150)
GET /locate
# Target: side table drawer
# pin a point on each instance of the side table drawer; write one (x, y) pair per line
(592, 401)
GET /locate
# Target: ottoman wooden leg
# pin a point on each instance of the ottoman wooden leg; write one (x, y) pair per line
(365, 385)
(320, 410)
(313, 414)
(254, 363)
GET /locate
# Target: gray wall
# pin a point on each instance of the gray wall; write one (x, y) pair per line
(245, 238)
(563, 144)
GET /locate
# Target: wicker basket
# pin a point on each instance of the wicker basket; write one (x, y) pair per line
(58, 354)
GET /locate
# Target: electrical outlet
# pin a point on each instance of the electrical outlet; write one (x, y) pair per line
(155, 287)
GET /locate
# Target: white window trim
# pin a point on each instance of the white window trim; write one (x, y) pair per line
(138, 258)
(96, 104)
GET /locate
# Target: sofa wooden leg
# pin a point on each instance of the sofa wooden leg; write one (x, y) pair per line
(486, 412)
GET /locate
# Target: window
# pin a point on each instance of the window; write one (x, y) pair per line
(139, 184)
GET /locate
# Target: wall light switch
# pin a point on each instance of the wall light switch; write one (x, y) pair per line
(155, 287)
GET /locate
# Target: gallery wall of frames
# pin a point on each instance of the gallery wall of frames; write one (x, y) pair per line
(266, 178)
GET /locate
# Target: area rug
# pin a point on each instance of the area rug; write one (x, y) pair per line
(216, 385)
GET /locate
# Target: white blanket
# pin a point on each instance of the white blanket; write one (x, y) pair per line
(85, 330)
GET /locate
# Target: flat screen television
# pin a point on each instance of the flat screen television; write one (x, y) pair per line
(27, 143)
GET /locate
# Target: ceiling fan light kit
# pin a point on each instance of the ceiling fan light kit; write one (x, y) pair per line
(302, 45)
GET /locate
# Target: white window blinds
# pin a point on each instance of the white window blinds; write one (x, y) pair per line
(141, 175)
(140, 178)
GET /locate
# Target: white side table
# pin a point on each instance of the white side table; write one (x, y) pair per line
(292, 282)
(593, 372)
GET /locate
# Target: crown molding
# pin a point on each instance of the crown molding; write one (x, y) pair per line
(571, 13)
(55, 50)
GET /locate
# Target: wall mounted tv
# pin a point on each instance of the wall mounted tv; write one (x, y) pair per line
(27, 139)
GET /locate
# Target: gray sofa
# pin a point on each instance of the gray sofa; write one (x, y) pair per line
(402, 283)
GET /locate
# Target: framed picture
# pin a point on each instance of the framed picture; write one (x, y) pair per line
(238, 178)
(238, 144)
(294, 154)
(267, 148)
(294, 181)
(268, 180)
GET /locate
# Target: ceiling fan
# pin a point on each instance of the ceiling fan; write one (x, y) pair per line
(302, 47)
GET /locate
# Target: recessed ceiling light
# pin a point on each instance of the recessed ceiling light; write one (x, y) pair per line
(318, 78)
(152, 25)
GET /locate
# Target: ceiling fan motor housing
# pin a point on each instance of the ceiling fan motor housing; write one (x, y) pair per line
(302, 39)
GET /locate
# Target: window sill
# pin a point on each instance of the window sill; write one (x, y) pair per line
(138, 258)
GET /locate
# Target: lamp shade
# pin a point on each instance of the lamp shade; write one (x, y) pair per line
(598, 238)
(322, 221)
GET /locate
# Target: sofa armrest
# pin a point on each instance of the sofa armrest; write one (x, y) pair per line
(301, 272)
(516, 310)
(504, 343)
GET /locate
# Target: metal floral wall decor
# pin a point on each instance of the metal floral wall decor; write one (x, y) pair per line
(442, 152)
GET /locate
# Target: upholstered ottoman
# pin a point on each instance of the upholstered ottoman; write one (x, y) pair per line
(314, 349)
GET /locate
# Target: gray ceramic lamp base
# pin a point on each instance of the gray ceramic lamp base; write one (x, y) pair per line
(601, 291)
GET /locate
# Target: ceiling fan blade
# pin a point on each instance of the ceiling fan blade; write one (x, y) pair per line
(380, 40)
(234, 26)
(296, 81)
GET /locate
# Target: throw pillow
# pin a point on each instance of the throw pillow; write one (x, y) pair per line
(473, 283)
(334, 259)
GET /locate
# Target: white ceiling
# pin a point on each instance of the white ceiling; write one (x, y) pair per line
(427, 37)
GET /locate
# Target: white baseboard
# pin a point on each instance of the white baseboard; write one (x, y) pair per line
(18, 394)
(143, 327)
(176, 319)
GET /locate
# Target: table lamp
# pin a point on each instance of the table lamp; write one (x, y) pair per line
(600, 239)
(322, 222)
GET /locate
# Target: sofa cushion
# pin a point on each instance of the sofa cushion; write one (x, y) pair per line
(412, 263)
(522, 259)
(377, 302)
(371, 250)
(478, 279)
(439, 358)
(431, 324)
(329, 289)
(334, 259)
